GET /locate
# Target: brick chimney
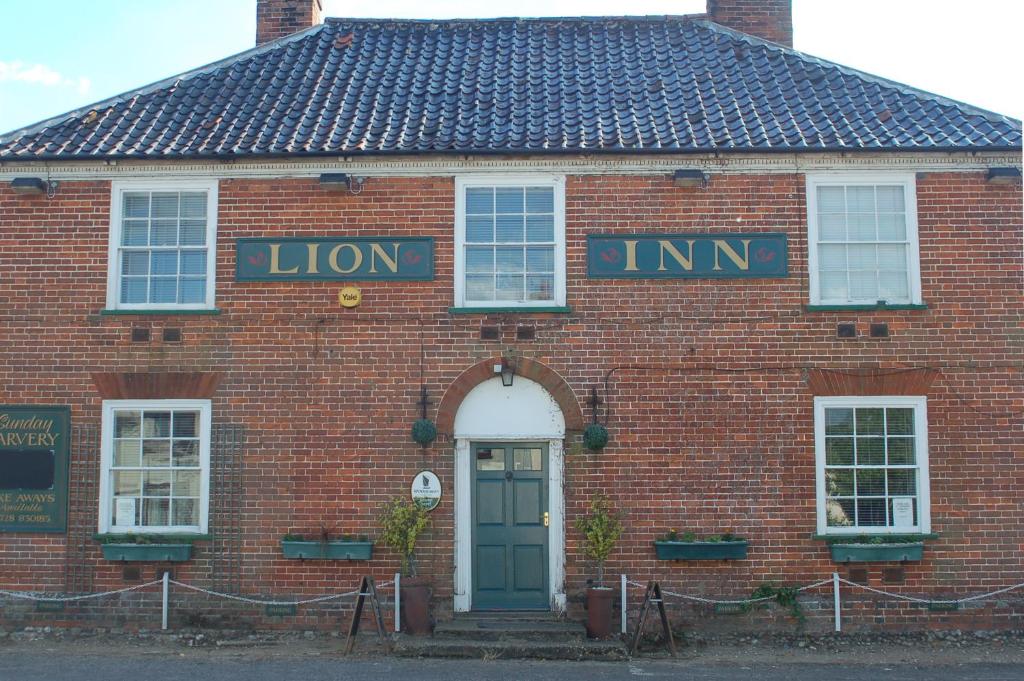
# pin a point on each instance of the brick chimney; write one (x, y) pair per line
(768, 19)
(278, 18)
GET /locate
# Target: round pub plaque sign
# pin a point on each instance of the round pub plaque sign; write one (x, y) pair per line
(426, 490)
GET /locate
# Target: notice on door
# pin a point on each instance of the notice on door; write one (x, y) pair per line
(34, 468)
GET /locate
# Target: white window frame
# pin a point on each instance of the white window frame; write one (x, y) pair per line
(532, 180)
(847, 179)
(117, 191)
(107, 457)
(920, 407)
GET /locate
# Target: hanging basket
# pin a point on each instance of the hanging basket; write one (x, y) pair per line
(424, 431)
(595, 437)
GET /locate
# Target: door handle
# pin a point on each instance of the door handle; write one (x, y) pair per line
(547, 519)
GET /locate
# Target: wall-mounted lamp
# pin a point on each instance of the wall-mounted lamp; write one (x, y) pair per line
(33, 185)
(507, 371)
(339, 181)
(1003, 175)
(690, 177)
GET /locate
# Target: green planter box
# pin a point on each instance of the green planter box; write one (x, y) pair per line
(332, 550)
(701, 550)
(154, 553)
(876, 553)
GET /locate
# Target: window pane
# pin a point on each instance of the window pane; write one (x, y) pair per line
(508, 287)
(186, 511)
(902, 482)
(871, 512)
(540, 287)
(861, 226)
(839, 421)
(156, 483)
(186, 483)
(156, 424)
(193, 262)
(126, 424)
(134, 289)
(839, 482)
(901, 451)
(893, 286)
(164, 290)
(863, 285)
(834, 285)
(165, 204)
(831, 200)
(508, 228)
(126, 483)
(509, 259)
(892, 227)
(540, 200)
(840, 512)
(832, 227)
(480, 287)
(164, 233)
(526, 459)
(839, 451)
(540, 228)
(185, 423)
(490, 459)
(508, 200)
(480, 259)
(155, 512)
(870, 482)
(186, 453)
(193, 290)
(480, 200)
(479, 228)
(193, 204)
(832, 257)
(861, 257)
(164, 262)
(860, 199)
(135, 262)
(136, 233)
(870, 451)
(899, 421)
(869, 421)
(540, 259)
(156, 453)
(136, 204)
(132, 519)
(890, 198)
(892, 257)
(127, 452)
(193, 233)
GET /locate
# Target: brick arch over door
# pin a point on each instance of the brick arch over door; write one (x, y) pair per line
(528, 368)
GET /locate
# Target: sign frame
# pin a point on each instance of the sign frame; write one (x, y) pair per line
(593, 240)
(243, 242)
(58, 509)
(427, 503)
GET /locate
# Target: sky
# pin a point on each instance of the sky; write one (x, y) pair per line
(60, 55)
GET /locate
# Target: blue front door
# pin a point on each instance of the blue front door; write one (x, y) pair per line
(510, 533)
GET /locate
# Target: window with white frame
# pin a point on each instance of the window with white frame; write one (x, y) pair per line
(863, 239)
(155, 466)
(872, 465)
(510, 242)
(162, 246)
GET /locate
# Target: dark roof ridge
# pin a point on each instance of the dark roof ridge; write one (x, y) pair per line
(849, 70)
(158, 84)
(488, 20)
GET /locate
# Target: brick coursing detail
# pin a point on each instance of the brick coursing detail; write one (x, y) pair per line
(768, 19)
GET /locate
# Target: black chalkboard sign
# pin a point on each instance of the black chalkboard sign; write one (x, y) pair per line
(27, 469)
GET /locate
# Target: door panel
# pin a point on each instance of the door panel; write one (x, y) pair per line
(510, 540)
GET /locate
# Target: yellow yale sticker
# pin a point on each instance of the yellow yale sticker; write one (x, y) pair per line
(350, 296)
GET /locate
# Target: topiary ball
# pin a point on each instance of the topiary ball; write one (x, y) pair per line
(595, 436)
(424, 431)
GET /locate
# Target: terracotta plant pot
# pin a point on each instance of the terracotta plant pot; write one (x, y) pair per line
(599, 612)
(416, 619)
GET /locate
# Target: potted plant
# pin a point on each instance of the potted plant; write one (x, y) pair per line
(146, 548)
(402, 522)
(876, 548)
(601, 529)
(686, 546)
(296, 546)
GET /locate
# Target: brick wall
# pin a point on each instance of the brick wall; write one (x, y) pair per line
(278, 18)
(708, 401)
(768, 19)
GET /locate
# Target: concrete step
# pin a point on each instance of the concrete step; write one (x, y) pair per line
(507, 649)
(493, 629)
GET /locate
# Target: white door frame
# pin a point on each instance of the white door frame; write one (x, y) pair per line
(464, 519)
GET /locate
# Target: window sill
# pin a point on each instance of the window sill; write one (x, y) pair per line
(182, 537)
(861, 537)
(183, 311)
(854, 308)
(558, 309)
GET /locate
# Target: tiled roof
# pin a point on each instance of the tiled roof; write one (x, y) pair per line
(633, 84)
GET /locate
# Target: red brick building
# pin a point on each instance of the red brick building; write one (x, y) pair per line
(790, 291)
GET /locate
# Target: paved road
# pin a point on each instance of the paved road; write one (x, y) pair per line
(23, 666)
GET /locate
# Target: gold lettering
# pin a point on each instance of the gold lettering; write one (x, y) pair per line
(630, 256)
(391, 263)
(311, 253)
(275, 261)
(686, 262)
(742, 263)
(357, 258)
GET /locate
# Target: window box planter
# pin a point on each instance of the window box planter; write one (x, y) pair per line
(329, 550)
(701, 550)
(154, 553)
(876, 553)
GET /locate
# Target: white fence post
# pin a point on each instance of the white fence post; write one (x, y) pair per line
(622, 585)
(836, 605)
(398, 601)
(167, 588)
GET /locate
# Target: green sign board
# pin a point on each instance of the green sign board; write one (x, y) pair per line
(34, 446)
(335, 259)
(686, 256)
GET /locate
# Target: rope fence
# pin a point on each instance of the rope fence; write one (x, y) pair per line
(835, 580)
